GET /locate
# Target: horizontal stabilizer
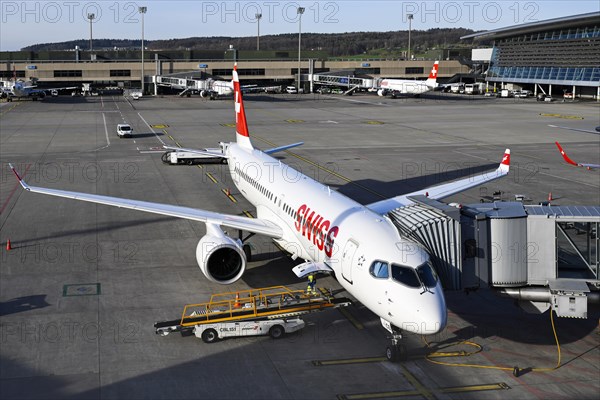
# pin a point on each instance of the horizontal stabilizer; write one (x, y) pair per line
(282, 148)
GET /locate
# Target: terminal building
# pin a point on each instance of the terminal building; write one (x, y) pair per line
(554, 56)
(124, 68)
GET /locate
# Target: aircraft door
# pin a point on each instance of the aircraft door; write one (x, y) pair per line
(348, 259)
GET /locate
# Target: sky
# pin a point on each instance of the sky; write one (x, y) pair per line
(23, 23)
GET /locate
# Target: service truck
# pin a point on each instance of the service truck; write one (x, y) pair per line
(173, 157)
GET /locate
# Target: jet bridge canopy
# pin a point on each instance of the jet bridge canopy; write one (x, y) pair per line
(541, 255)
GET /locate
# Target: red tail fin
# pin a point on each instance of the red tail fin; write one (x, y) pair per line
(434, 71)
(242, 134)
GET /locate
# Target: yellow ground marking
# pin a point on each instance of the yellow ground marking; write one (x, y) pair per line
(561, 116)
(211, 177)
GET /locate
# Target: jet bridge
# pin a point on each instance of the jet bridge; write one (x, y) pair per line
(205, 86)
(342, 79)
(542, 256)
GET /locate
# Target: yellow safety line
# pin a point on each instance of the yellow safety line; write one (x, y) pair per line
(248, 214)
(401, 393)
(379, 395)
(475, 388)
(11, 108)
(199, 166)
(351, 318)
(322, 363)
(229, 195)
(322, 168)
(212, 178)
(415, 382)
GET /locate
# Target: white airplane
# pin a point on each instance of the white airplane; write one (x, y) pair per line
(21, 89)
(407, 86)
(569, 161)
(388, 273)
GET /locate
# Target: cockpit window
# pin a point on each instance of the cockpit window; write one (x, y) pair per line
(405, 275)
(427, 275)
(379, 269)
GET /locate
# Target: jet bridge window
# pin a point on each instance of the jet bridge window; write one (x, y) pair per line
(405, 275)
(379, 269)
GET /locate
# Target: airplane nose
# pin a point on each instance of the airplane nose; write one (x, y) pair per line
(437, 315)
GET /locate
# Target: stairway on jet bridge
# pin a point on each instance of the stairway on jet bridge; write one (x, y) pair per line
(277, 302)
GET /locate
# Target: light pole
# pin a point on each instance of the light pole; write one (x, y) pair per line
(258, 17)
(410, 17)
(300, 12)
(91, 18)
(142, 11)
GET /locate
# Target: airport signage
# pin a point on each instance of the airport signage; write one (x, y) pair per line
(365, 65)
(32, 67)
(202, 65)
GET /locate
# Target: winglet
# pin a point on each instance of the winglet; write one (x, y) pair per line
(505, 163)
(242, 134)
(23, 184)
(565, 156)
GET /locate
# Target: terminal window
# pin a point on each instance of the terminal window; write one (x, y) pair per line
(413, 70)
(59, 73)
(120, 72)
(11, 74)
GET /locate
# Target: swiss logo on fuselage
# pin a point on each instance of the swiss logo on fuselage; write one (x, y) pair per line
(316, 228)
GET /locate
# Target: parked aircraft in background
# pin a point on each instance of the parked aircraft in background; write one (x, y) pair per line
(390, 274)
(19, 89)
(413, 87)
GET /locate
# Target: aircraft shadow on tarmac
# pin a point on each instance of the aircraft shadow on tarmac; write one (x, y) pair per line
(355, 190)
(106, 227)
(21, 304)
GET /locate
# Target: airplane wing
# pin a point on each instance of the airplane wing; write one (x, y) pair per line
(262, 227)
(569, 161)
(446, 189)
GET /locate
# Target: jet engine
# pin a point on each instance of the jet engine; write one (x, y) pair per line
(381, 92)
(221, 258)
(204, 93)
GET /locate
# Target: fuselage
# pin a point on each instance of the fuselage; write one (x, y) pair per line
(407, 86)
(322, 225)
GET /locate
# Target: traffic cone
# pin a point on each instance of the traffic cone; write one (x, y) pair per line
(237, 301)
(228, 192)
(550, 196)
(8, 246)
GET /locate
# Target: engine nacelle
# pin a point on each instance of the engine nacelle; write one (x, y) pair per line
(221, 258)
(381, 92)
(204, 93)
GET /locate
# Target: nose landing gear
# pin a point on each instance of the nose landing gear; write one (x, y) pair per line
(394, 352)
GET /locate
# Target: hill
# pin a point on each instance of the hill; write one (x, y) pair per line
(334, 44)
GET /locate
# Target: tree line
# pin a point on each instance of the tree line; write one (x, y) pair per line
(334, 44)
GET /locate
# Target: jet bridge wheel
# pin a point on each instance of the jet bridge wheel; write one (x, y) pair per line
(210, 336)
